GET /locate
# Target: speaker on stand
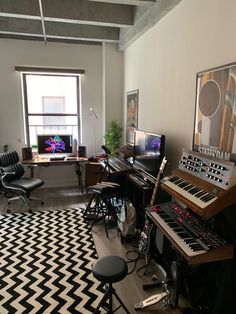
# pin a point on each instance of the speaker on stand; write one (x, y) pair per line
(27, 153)
(81, 152)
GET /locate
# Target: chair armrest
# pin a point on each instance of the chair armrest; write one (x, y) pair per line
(5, 173)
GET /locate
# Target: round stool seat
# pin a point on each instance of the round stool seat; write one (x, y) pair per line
(102, 189)
(110, 269)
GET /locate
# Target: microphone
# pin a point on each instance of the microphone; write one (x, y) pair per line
(106, 150)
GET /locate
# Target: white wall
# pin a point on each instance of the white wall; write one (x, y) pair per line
(113, 78)
(196, 35)
(30, 53)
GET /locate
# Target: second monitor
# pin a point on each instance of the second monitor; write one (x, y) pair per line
(149, 150)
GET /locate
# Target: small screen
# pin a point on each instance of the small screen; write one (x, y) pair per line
(148, 151)
(54, 144)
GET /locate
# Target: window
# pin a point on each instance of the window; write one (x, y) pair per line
(51, 105)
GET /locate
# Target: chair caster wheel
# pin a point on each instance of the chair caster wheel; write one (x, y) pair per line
(30, 211)
(42, 203)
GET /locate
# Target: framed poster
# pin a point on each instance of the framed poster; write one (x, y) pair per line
(215, 112)
(132, 115)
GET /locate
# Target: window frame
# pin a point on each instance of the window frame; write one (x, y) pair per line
(26, 113)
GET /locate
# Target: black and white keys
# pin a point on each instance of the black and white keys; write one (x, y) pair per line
(183, 239)
(193, 193)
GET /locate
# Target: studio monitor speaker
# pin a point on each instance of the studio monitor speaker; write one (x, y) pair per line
(27, 153)
(82, 151)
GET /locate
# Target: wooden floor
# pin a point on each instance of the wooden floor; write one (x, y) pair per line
(130, 289)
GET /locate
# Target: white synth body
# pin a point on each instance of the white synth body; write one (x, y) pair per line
(216, 171)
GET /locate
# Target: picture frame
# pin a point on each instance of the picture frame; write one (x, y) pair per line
(132, 98)
(215, 112)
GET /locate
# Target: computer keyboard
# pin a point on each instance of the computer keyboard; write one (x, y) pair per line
(71, 158)
(57, 158)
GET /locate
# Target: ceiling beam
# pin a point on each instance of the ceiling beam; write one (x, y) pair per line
(40, 38)
(23, 26)
(145, 19)
(88, 21)
(27, 7)
(82, 32)
(72, 32)
(71, 11)
(129, 2)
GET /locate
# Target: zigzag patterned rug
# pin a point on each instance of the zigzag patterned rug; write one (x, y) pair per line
(45, 263)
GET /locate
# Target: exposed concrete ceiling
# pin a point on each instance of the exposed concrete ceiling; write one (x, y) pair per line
(82, 21)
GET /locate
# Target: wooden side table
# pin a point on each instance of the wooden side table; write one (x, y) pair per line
(92, 173)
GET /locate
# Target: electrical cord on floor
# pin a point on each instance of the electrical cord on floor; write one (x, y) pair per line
(140, 268)
(134, 260)
(138, 257)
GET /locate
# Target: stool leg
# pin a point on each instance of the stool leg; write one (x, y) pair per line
(110, 291)
(99, 209)
(102, 303)
(88, 207)
(105, 214)
(108, 296)
(121, 303)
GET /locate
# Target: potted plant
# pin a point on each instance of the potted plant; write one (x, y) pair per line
(113, 136)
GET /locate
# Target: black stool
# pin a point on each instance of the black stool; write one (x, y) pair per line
(110, 269)
(103, 194)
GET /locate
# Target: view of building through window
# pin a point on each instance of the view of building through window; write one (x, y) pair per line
(51, 106)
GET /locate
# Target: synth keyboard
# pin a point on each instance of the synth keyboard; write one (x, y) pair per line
(117, 165)
(206, 185)
(189, 235)
(200, 197)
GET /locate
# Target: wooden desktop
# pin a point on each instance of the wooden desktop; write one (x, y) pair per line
(46, 162)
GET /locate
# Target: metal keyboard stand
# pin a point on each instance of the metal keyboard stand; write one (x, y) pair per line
(100, 206)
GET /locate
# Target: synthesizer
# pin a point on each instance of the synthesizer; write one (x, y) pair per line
(117, 166)
(189, 234)
(206, 185)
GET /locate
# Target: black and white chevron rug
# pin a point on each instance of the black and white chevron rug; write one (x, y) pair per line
(45, 263)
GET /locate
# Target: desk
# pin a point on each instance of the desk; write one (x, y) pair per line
(46, 162)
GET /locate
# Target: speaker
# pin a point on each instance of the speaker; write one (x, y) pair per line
(27, 153)
(82, 151)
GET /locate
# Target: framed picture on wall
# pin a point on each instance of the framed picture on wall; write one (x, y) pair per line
(132, 115)
(215, 112)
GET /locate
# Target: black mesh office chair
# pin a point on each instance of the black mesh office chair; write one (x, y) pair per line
(13, 184)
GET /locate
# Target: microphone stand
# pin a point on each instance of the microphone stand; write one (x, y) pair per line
(95, 117)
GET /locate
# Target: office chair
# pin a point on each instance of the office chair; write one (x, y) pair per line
(13, 184)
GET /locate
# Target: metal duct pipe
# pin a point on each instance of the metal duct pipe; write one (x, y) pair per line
(42, 21)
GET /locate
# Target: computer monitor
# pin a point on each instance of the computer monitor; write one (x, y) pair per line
(149, 150)
(55, 144)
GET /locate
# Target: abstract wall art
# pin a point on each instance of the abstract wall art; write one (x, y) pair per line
(132, 115)
(215, 112)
